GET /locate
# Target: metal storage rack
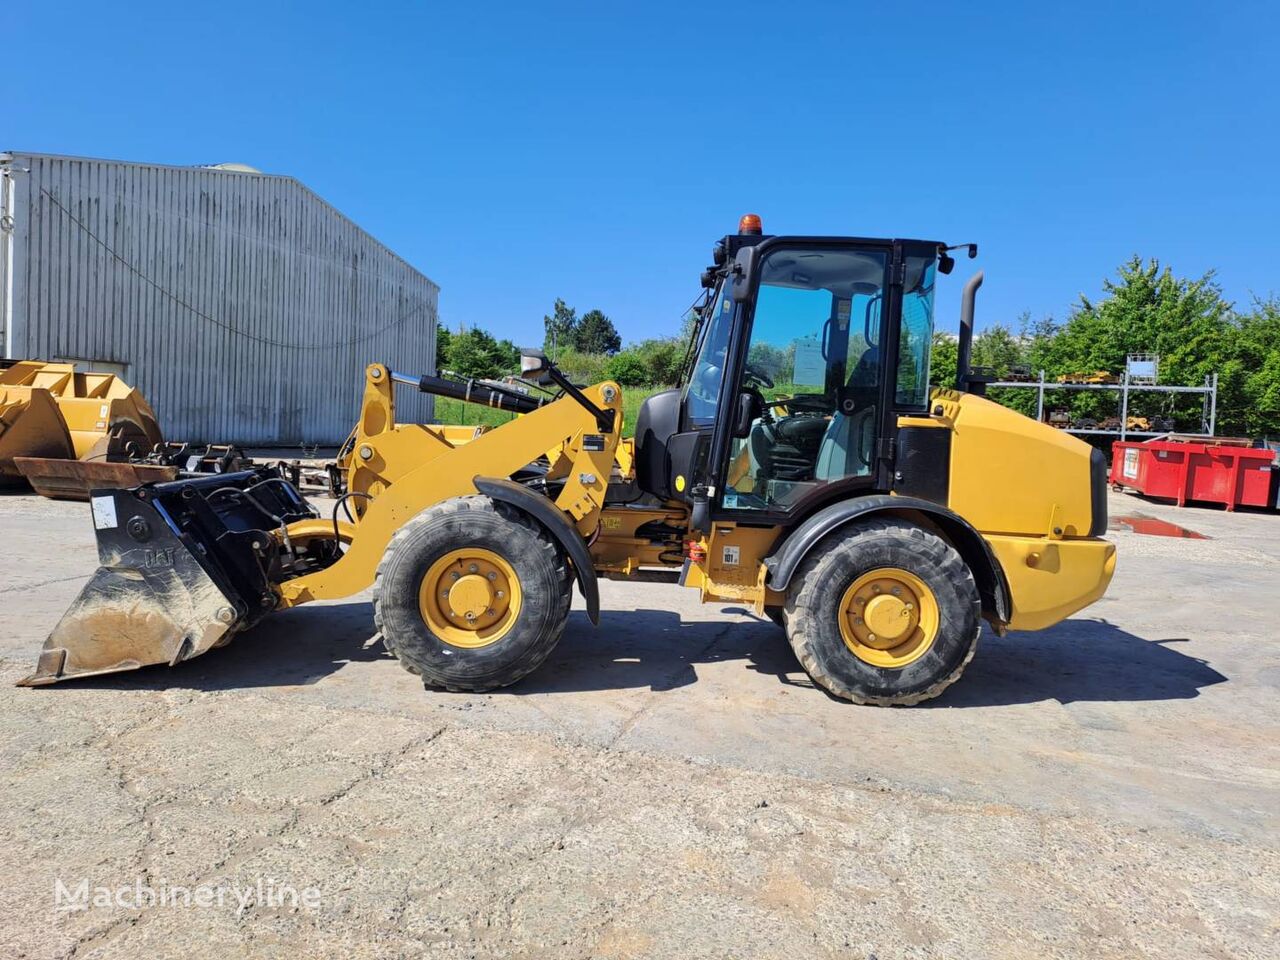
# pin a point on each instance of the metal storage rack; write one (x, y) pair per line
(1125, 387)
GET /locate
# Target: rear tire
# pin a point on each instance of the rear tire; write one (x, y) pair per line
(913, 578)
(502, 548)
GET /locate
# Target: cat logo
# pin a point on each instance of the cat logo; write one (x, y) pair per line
(158, 558)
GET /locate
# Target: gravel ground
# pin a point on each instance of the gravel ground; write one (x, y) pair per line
(669, 785)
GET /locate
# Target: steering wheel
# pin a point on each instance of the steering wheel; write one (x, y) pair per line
(753, 372)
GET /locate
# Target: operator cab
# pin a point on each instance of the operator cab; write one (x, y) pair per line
(806, 351)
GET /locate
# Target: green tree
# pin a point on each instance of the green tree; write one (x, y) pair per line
(444, 340)
(942, 363)
(1249, 381)
(1146, 310)
(777, 363)
(596, 333)
(475, 353)
(561, 327)
(507, 356)
(1000, 349)
(1037, 338)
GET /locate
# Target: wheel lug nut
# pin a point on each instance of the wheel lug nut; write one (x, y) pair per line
(897, 592)
(875, 589)
(500, 594)
(871, 637)
(455, 575)
(489, 612)
(492, 575)
(473, 568)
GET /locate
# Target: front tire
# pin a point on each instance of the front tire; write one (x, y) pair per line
(471, 594)
(885, 613)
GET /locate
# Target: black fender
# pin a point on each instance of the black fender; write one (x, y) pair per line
(558, 525)
(992, 586)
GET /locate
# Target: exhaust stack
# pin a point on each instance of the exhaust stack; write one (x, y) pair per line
(967, 299)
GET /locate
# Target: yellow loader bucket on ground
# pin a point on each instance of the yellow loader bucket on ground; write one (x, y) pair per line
(49, 411)
(30, 422)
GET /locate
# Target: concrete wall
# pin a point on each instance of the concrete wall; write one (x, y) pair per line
(241, 304)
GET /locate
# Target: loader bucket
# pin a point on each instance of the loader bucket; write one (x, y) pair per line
(74, 479)
(184, 565)
(30, 426)
(104, 406)
(49, 411)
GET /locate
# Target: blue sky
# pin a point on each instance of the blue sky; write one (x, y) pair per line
(520, 152)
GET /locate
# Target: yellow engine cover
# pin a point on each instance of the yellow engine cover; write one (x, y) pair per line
(1010, 474)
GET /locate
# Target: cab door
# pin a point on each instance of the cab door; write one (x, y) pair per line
(820, 371)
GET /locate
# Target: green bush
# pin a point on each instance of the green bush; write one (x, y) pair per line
(449, 410)
(476, 353)
(662, 358)
(628, 368)
(583, 367)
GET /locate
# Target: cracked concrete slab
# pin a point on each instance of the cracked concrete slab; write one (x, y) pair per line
(670, 785)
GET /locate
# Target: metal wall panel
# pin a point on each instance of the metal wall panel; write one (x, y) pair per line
(244, 306)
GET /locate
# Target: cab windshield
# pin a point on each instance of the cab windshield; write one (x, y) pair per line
(703, 392)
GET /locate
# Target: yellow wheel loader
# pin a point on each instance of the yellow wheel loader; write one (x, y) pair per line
(804, 467)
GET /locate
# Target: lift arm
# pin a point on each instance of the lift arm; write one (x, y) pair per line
(405, 472)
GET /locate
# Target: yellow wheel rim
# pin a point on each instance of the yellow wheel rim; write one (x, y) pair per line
(889, 618)
(470, 597)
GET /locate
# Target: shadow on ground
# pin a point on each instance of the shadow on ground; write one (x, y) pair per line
(1079, 660)
(291, 648)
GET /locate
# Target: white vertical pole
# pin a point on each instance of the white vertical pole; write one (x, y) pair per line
(7, 226)
(1124, 405)
(1213, 404)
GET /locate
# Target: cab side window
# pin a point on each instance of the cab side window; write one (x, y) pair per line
(813, 365)
(916, 336)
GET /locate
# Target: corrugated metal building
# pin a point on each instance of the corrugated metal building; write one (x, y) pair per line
(242, 305)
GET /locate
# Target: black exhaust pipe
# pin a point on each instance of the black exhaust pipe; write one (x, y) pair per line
(965, 351)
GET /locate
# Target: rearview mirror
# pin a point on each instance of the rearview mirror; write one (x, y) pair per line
(743, 272)
(532, 362)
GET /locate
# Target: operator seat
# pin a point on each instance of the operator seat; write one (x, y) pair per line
(846, 446)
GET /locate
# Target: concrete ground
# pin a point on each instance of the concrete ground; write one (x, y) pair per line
(668, 785)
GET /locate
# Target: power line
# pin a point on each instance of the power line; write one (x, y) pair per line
(328, 345)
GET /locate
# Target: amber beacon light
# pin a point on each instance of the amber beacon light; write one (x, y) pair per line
(749, 224)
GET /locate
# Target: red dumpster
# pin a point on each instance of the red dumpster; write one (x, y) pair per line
(1209, 470)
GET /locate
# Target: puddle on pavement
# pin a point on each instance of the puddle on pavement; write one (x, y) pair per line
(1154, 528)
